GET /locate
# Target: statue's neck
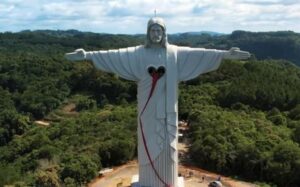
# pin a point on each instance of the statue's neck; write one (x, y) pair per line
(156, 45)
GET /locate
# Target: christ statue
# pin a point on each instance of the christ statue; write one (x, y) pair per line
(157, 67)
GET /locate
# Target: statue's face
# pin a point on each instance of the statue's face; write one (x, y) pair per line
(156, 34)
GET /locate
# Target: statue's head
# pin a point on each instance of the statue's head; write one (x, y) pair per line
(156, 33)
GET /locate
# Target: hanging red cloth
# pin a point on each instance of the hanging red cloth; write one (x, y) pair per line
(156, 74)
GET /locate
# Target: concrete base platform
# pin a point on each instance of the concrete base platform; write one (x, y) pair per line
(135, 181)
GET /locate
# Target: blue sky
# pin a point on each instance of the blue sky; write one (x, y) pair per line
(131, 16)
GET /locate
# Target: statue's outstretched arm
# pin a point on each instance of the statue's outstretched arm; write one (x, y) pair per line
(122, 62)
(236, 54)
(77, 55)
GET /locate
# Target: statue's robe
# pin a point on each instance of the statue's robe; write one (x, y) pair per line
(160, 118)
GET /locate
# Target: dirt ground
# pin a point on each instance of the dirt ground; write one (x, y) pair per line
(193, 176)
(121, 177)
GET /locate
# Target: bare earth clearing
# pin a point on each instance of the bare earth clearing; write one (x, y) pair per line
(193, 176)
(121, 177)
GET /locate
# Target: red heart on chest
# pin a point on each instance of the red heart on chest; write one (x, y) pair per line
(159, 72)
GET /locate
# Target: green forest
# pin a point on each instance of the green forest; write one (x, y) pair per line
(244, 118)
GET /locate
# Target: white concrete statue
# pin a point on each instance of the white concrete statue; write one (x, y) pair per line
(157, 102)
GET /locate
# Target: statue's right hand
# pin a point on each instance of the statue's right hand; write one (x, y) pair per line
(78, 54)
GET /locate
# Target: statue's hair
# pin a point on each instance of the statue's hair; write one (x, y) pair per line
(160, 22)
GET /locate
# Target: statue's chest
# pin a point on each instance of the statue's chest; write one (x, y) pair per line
(155, 57)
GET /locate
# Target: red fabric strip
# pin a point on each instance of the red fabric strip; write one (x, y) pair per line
(155, 77)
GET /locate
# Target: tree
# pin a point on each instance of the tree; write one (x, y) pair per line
(47, 179)
(284, 168)
(81, 168)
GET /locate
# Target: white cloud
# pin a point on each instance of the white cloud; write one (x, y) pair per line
(130, 16)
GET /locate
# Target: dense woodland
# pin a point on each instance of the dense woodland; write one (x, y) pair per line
(244, 117)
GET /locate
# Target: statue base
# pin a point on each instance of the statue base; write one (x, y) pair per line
(135, 181)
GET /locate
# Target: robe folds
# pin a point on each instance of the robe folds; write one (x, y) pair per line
(160, 118)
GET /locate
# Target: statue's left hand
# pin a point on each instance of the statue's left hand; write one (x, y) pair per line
(77, 55)
(236, 54)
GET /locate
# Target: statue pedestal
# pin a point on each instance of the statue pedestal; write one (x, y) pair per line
(135, 181)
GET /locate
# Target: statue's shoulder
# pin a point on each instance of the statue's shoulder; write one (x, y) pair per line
(132, 49)
(182, 48)
(172, 46)
(136, 48)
